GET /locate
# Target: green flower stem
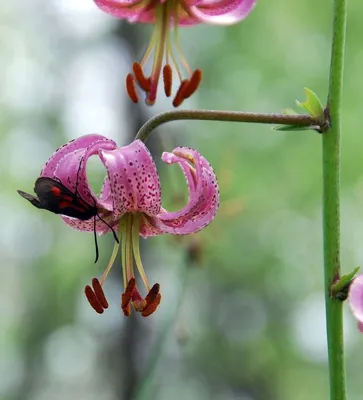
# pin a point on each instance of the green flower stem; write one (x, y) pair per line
(231, 116)
(331, 209)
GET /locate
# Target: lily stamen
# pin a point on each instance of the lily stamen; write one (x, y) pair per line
(93, 300)
(161, 45)
(193, 83)
(141, 79)
(152, 299)
(131, 88)
(168, 79)
(97, 288)
(166, 16)
(179, 97)
(130, 253)
(126, 297)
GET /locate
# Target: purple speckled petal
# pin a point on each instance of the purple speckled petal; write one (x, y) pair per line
(190, 12)
(203, 197)
(130, 10)
(88, 225)
(80, 143)
(132, 185)
(222, 12)
(64, 165)
(356, 300)
(133, 179)
(190, 162)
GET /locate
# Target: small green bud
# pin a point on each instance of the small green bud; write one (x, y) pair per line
(339, 289)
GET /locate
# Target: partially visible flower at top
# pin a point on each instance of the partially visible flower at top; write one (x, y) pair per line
(356, 300)
(130, 202)
(166, 14)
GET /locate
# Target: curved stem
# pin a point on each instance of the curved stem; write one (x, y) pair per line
(331, 208)
(231, 116)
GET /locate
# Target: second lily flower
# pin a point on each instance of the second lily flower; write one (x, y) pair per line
(166, 14)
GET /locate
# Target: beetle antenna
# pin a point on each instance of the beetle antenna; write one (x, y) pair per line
(113, 231)
(95, 236)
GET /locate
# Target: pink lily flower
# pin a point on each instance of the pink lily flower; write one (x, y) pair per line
(356, 300)
(166, 14)
(130, 202)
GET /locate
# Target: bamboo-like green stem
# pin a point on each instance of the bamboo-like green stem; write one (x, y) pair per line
(331, 208)
(231, 116)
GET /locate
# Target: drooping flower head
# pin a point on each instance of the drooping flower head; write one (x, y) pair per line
(130, 202)
(356, 300)
(165, 15)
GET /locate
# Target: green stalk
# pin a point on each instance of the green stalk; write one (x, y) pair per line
(331, 208)
(229, 116)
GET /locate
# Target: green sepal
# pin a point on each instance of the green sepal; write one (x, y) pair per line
(312, 105)
(340, 288)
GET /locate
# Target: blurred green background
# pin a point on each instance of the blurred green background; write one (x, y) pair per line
(242, 315)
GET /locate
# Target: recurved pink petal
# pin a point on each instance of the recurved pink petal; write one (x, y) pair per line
(203, 196)
(190, 12)
(222, 12)
(80, 143)
(133, 179)
(88, 225)
(130, 10)
(68, 165)
(356, 300)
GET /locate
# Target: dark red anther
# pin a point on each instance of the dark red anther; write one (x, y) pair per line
(126, 309)
(152, 299)
(97, 288)
(140, 77)
(193, 84)
(127, 297)
(168, 79)
(93, 300)
(179, 97)
(131, 88)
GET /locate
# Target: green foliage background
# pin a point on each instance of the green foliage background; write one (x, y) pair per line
(248, 323)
